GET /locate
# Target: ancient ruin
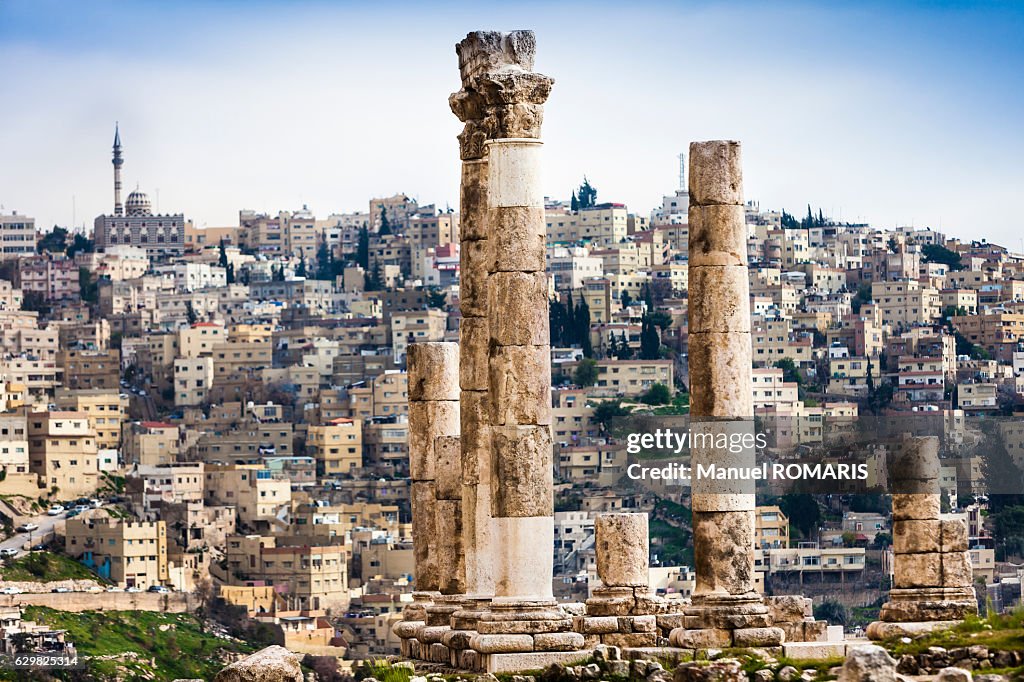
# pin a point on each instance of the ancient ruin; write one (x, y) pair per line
(481, 450)
(933, 581)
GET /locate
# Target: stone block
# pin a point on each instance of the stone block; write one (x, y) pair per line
(518, 308)
(457, 639)
(764, 636)
(598, 625)
(723, 301)
(813, 651)
(475, 437)
(427, 421)
(610, 606)
(439, 653)
(450, 555)
(788, 608)
(448, 467)
(622, 546)
(467, 659)
(516, 243)
(914, 460)
(720, 375)
(915, 506)
(630, 639)
(424, 512)
(724, 561)
(716, 173)
(718, 236)
(473, 200)
(522, 571)
(915, 536)
(537, 660)
(879, 630)
(272, 663)
(701, 639)
(520, 385)
(794, 631)
(433, 370)
(522, 627)
(514, 174)
(501, 644)
(474, 258)
(918, 570)
(474, 340)
(670, 621)
(523, 481)
(954, 535)
(642, 624)
(956, 569)
(815, 631)
(558, 641)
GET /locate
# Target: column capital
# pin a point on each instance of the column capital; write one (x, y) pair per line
(501, 96)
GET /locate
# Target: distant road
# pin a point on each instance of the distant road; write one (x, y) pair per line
(46, 525)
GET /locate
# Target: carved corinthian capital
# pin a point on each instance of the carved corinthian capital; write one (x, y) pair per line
(501, 96)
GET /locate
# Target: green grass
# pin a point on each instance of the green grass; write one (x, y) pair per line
(999, 631)
(180, 649)
(41, 567)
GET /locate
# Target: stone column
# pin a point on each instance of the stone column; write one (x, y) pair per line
(433, 370)
(933, 579)
(727, 610)
(622, 611)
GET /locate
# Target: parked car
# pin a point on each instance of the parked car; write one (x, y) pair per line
(133, 589)
(95, 503)
(39, 547)
(55, 510)
(158, 588)
(60, 589)
(10, 589)
(114, 588)
(72, 514)
(27, 527)
(9, 552)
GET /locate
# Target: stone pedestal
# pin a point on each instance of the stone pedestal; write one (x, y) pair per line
(932, 576)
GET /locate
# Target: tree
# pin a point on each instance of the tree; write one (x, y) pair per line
(661, 320)
(657, 394)
(583, 328)
(363, 248)
(881, 541)
(650, 342)
(229, 273)
(223, 259)
(802, 510)
(863, 296)
(88, 288)
(374, 280)
(569, 337)
(574, 203)
(936, 253)
(833, 611)
(556, 322)
(437, 299)
(789, 371)
(36, 302)
(789, 221)
(608, 410)
(190, 313)
(624, 352)
(585, 373)
(626, 299)
(385, 224)
(300, 271)
(54, 241)
(80, 244)
(587, 194)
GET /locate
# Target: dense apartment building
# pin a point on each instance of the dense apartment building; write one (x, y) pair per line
(17, 235)
(62, 451)
(127, 553)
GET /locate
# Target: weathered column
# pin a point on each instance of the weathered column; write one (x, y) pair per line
(523, 616)
(622, 611)
(933, 579)
(433, 370)
(727, 610)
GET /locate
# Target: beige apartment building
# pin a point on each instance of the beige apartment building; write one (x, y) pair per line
(996, 332)
(771, 528)
(14, 442)
(193, 379)
(106, 409)
(62, 451)
(262, 497)
(310, 576)
(17, 235)
(603, 225)
(336, 446)
(906, 303)
(129, 554)
(199, 339)
(92, 368)
(152, 443)
(632, 378)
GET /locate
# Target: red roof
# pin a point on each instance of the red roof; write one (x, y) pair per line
(158, 425)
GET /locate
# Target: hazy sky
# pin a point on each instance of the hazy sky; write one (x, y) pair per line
(891, 112)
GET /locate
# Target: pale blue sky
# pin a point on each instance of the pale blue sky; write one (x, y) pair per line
(893, 112)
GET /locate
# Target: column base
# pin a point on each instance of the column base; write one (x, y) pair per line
(512, 626)
(724, 620)
(881, 631)
(921, 605)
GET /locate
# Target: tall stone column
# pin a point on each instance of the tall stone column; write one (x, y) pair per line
(433, 370)
(933, 579)
(727, 610)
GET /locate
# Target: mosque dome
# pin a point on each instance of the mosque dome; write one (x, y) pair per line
(138, 204)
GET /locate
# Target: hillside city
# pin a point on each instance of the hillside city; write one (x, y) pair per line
(214, 420)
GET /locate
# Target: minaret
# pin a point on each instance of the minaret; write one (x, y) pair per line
(118, 162)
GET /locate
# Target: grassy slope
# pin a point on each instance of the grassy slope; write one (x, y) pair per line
(180, 649)
(57, 567)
